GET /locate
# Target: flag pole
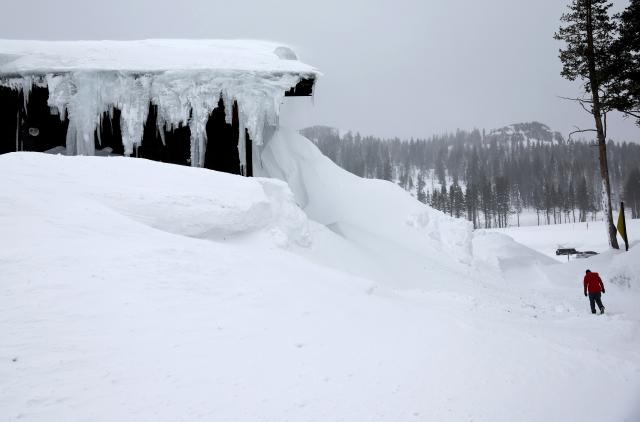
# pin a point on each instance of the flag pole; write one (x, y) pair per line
(622, 226)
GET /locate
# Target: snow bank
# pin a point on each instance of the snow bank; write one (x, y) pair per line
(174, 199)
(504, 253)
(624, 269)
(184, 78)
(620, 268)
(417, 242)
(617, 268)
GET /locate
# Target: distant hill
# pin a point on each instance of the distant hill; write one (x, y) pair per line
(517, 132)
(523, 132)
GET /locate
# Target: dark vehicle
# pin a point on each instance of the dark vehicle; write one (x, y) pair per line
(586, 254)
(566, 251)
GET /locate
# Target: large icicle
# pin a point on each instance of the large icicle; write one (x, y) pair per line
(183, 97)
(191, 100)
(84, 110)
(133, 96)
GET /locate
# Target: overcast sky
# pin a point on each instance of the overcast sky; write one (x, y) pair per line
(391, 68)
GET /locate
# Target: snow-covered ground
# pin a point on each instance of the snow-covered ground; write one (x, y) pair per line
(590, 236)
(132, 290)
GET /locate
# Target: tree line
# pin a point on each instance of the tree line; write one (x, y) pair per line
(491, 178)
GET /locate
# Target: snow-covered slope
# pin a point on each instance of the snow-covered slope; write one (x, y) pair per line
(132, 290)
(409, 244)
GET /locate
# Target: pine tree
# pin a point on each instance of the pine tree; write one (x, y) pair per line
(582, 199)
(570, 207)
(538, 202)
(625, 69)
(502, 200)
(420, 195)
(402, 180)
(387, 171)
(444, 198)
(440, 168)
(588, 33)
(632, 193)
(517, 203)
(471, 201)
(487, 201)
(457, 200)
(433, 200)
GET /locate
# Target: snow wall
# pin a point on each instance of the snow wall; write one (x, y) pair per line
(380, 218)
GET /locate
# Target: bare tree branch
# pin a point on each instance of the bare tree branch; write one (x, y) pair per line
(578, 130)
(581, 100)
(585, 108)
(633, 113)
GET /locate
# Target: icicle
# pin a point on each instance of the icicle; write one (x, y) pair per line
(60, 92)
(160, 128)
(27, 86)
(242, 150)
(162, 134)
(228, 107)
(183, 98)
(99, 131)
(71, 138)
(133, 100)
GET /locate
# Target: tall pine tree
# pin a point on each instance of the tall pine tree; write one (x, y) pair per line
(588, 33)
(625, 69)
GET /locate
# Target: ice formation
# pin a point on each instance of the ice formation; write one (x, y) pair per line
(184, 79)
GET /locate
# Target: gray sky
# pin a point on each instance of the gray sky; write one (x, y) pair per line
(391, 68)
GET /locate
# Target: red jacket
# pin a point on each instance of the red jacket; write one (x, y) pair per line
(593, 283)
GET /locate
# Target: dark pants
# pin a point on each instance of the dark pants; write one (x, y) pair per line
(593, 299)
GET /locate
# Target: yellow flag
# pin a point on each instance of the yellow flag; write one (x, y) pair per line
(622, 227)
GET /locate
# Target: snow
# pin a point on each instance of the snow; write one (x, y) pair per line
(184, 78)
(533, 132)
(386, 223)
(135, 290)
(37, 57)
(588, 236)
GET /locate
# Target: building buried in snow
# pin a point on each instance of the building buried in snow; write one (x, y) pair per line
(204, 103)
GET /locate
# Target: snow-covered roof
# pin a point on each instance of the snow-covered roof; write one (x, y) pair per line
(33, 57)
(185, 79)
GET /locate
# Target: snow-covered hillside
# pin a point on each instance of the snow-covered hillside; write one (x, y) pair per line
(134, 290)
(526, 132)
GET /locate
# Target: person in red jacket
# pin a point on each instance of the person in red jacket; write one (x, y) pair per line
(594, 288)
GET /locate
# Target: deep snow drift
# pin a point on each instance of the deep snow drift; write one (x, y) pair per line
(134, 290)
(406, 244)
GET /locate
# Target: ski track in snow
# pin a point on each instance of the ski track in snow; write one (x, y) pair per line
(133, 290)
